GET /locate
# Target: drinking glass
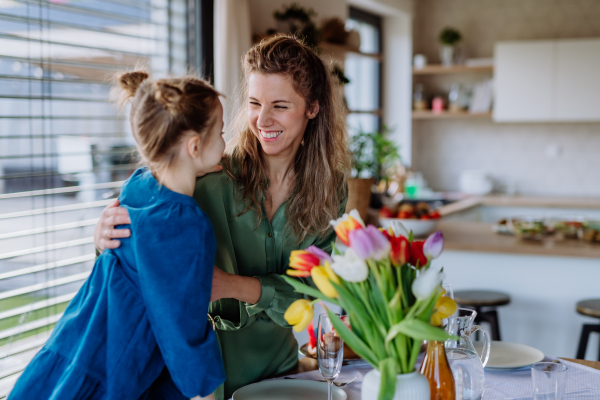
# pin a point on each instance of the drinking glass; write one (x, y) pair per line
(330, 351)
(549, 381)
(449, 291)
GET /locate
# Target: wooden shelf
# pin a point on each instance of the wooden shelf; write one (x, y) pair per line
(345, 50)
(372, 112)
(455, 69)
(449, 115)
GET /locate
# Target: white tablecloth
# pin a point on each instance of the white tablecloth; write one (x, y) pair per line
(583, 383)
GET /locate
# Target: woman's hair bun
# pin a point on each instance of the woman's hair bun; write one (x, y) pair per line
(131, 81)
(169, 96)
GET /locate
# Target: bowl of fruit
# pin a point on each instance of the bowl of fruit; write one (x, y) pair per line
(418, 218)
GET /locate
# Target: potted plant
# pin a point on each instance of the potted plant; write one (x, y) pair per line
(386, 283)
(297, 20)
(449, 37)
(372, 156)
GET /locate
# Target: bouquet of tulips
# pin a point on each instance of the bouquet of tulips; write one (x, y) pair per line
(386, 283)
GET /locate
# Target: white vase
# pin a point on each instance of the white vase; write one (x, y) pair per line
(413, 386)
(447, 55)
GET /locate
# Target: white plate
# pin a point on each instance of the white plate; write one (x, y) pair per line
(419, 227)
(505, 355)
(288, 389)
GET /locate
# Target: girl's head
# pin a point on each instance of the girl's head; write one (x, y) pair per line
(174, 117)
(292, 109)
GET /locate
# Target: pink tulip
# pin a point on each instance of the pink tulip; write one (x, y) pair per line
(323, 256)
(369, 243)
(434, 245)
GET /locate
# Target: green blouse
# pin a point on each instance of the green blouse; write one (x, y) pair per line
(256, 341)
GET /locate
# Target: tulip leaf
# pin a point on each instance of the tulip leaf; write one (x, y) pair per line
(336, 251)
(387, 387)
(352, 340)
(305, 289)
(418, 330)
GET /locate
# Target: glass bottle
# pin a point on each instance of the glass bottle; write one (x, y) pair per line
(436, 369)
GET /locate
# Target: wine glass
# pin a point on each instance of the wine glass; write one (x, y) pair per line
(449, 292)
(330, 351)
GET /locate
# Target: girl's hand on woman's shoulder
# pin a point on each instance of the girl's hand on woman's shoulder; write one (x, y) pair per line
(105, 231)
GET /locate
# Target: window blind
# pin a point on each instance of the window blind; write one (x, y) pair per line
(64, 148)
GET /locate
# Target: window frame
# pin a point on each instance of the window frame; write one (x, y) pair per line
(376, 21)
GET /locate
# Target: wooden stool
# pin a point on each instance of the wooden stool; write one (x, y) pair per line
(589, 308)
(479, 299)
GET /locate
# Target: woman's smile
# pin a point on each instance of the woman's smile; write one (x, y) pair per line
(270, 136)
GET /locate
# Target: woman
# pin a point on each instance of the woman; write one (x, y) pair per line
(283, 181)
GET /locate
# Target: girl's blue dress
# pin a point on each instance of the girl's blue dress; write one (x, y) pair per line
(138, 327)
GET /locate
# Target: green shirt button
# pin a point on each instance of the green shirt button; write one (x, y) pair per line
(270, 234)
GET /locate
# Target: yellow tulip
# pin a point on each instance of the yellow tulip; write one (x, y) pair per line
(321, 278)
(299, 314)
(444, 308)
(332, 276)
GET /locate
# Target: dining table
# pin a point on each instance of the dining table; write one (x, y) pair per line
(583, 381)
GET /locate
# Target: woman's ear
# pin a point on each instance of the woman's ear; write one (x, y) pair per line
(313, 110)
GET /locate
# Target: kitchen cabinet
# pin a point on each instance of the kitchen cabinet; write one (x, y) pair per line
(524, 75)
(578, 80)
(547, 81)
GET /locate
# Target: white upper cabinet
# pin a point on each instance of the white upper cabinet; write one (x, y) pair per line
(547, 81)
(523, 77)
(578, 80)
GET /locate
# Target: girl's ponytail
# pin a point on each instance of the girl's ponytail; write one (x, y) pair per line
(128, 84)
(169, 96)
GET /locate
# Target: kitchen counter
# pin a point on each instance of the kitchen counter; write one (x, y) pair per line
(479, 237)
(520, 201)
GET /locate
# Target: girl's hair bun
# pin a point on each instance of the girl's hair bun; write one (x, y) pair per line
(131, 81)
(169, 96)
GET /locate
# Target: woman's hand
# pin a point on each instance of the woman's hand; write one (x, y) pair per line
(231, 286)
(216, 168)
(105, 228)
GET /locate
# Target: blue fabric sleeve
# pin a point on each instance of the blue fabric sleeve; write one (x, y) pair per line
(175, 267)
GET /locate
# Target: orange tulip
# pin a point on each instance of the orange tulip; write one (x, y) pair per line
(301, 262)
(347, 223)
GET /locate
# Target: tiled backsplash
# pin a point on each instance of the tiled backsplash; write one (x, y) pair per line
(541, 159)
(512, 154)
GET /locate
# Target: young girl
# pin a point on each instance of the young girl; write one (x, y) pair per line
(139, 324)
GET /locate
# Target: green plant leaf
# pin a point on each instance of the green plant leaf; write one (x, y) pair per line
(387, 387)
(305, 289)
(418, 330)
(352, 340)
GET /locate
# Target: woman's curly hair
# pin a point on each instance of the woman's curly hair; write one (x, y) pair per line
(321, 163)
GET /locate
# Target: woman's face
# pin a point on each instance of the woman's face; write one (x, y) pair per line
(277, 114)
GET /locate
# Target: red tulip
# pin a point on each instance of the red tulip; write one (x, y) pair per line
(400, 253)
(417, 258)
(312, 338)
(301, 262)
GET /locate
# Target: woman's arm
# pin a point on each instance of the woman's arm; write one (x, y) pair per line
(105, 234)
(231, 286)
(224, 285)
